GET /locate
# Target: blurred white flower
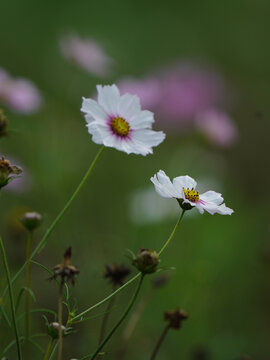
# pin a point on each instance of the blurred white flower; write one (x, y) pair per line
(183, 189)
(217, 126)
(118, 121)
(19, 94)
(87, 54)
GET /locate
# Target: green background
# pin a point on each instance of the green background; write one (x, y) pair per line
(222, 263)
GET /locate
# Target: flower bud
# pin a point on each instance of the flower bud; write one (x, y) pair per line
(6, 169)
(53, 330)
(175, 318)
(146, 261)
(31, 220)
(3, 124)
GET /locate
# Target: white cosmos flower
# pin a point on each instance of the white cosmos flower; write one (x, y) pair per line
(118, 121)
(183, 189)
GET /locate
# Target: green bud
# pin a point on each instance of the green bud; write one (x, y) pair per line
(53, 330)
(31, 220)
(146, 261)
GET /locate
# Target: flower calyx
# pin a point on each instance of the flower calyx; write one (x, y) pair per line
(8, 172)
(66, 271)
(146, 261)
(175, 318)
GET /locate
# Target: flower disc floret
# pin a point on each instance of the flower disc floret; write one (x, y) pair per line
(182, 188)
(120, 126)
(117, 121)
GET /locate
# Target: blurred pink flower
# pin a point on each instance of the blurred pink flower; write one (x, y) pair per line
(148, 90)
(187, 90)
(87, 54)
(217, 126)
(19, 94)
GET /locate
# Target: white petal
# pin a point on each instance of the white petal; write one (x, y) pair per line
(99, 131)
(217, 209)
(128, 106)
(148, 137)
(212, 197)
(199, 207)
(143, 120)
(163, 185)
(184, 182)
(108, 98)
(92, 108)
(224, 210)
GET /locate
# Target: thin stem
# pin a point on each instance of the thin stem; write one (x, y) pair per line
(12, 305)
(60, 322)
(79, 316)
(160, 341)
(49, 348)
(122, 318)
(172, 234)
(28, 295)
(105, 319)
(42, 242)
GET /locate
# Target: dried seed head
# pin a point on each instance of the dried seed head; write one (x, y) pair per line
(3, 124)
(175, 318)
(8, 172)
(116, 274)
(66, 271)
(146, 261)
(31, 220)
(160, 280)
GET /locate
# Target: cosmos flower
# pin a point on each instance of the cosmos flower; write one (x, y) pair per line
(87, 54)
(19, 94)
(183, 188)
(118, 121)
(217, 127)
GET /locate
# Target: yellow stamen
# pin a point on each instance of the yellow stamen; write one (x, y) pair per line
(120, 126)
(191, 194)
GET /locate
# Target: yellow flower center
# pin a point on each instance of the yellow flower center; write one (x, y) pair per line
(120, 126)
(191, 194)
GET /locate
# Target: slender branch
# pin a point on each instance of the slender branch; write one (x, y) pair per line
(132, 301)
(160, 341)
(12, 305)
(172, 234)
(28, 295)
(59, 217)
(48, 350)
(60, 321)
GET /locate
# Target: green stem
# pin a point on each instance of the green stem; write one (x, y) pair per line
(79, 316)
(60, 322)
(12, 305)
(160, 341)
(132, 301)
(172, 234)
(59, 217)
(49, 348)
(28, 295)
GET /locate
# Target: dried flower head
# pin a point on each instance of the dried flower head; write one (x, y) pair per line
(146, 261)
(175, 318)
(116, 274)
(66, 271)
(160, 280)
(31, 220)
(3, 123)
(8, 172)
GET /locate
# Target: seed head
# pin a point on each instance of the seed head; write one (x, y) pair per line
(116, 274)
(66, 271)
(146, 261)
(175, 318)
(31, 220)
(8, 172)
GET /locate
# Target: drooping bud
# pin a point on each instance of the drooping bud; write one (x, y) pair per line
(116, 274)
(3, 124)
(146, 261)
(8, 172)
(66, 271)
(31, 220)
(175, 318)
